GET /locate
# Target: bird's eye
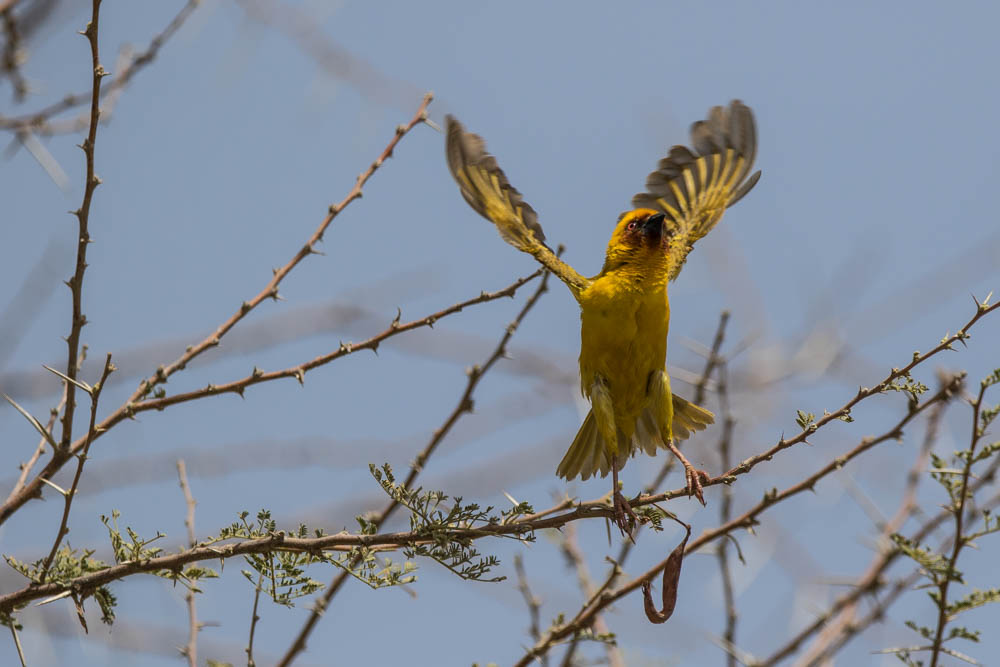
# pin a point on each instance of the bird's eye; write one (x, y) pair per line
(631, 225)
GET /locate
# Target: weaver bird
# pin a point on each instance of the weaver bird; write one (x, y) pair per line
(624, 309)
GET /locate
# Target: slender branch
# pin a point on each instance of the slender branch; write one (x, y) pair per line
(841, 615)
(126, 410)
(878, 609)
(563, 513)
(191, 650)
(725, 515)
(298, 372)
(11, 60)
(345, 541)
(95, 395)
(571, 549)
(713, 360)
(83, 235)
(38, 121)
(253, 620)
(747, 465)
(465, 404)
(958, 509)
(534, 604)
(585, 616)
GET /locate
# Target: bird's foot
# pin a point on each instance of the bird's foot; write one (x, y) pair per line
(695, 478)
(625, 517)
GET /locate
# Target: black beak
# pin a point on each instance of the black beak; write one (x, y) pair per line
(653, 225)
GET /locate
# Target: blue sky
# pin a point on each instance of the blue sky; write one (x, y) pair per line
(872, 225)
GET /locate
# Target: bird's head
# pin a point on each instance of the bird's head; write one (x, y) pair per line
(640, 242)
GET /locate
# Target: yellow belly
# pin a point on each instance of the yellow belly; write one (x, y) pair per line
(623, 340)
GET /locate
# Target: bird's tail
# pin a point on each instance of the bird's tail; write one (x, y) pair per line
(588, 456)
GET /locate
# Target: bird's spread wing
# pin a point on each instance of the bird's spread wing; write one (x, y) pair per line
(484, 186)
(693, 187)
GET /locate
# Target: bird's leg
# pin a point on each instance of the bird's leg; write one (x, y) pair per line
(692, 476)
(625, 516)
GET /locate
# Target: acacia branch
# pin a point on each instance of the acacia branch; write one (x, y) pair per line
(95, 395)
(844, 411)
(75, 283)
(190, 651)
(957, 507)
(38, 121)
(394, 541)
(34, 488)
(725, 515)
(465, 405)
(533, 603)
(587, 613)
(563, 513)
(11, 59)
(298, 372)
(574, 556)
(841, 615)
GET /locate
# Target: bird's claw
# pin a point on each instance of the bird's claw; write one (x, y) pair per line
(625, 517)
(695, 479)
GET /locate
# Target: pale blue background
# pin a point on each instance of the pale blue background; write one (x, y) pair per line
(873, 224)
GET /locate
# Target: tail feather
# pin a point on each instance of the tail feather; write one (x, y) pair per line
(689, 418)
(587, 455)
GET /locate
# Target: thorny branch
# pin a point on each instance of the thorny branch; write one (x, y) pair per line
(842, 613)
(38, 122)
(95, 395)
(465, 405)
(747, 465)
(34, 488)
(533, 603)
(551, 518)
(960, 540)
(11, 59)
(571, 549)
(725, 514)
(83, 241)
(190, 651)
(585, 616)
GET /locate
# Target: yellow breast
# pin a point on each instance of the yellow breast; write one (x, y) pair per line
(623, 339)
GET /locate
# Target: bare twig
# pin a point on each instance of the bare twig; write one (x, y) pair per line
(725, 514)
(465, 404)
(83, 237)
(191, 650)
(571, 549)
(557, 516)
(299, 371)
(871, 582)
(878, 609)
(12, 58)
(38, 121)
(127, 409)
(345, 541)
(534, 604)
(585, 616)
(840, 618)
(253, 620)
(748, 464)
(95, 395)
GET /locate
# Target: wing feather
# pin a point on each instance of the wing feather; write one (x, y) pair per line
(693, 187)
(486, 189)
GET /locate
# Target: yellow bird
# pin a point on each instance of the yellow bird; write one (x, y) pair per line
(624, 309)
